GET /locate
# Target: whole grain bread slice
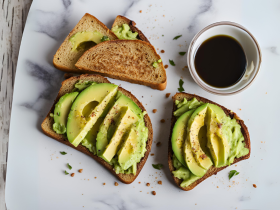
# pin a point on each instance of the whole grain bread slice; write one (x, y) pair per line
(120, 20)
(66, 87)
(128, 60)
(65, 59)
(212, 170)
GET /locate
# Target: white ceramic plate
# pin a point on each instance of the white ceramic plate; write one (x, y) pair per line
(35, 176)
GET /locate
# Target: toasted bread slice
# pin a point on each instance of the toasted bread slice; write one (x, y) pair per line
(66, 87)
(65, 59)
(212, 170)
(128, 60)
(120, 20)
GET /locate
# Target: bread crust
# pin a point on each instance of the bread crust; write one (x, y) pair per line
(212, 170)
(67, 86)
(121, 19)
(72, 32)
(158, 86)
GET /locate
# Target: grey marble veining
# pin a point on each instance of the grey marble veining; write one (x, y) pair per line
(49, 77)
(205, 7)
(50, 23)
(273, 50)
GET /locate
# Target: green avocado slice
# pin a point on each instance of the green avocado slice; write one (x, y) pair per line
(179, 135)
(103, 135)
(85, 36)
(61, 111)
(191, 162)
(217, 142)
(134, 146)
(196, 122)
(80, 121)
(126, 119)
(90, 139)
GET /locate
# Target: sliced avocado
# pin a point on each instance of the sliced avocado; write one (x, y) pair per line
(134, 146)
(80, 121)
(191, 162)
(195, 123)
(126, 119)
(103, 135)
(183, 173)
(179, 134)
(90, 139)
(202, 136)
(61, 111)
(217, 142)
(85, 36)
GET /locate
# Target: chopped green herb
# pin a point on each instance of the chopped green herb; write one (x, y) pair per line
(70, 167)
(58, 113)
(63, 153)
(162, 35)
(181, 89)
(66, 173)
(157, 166)
(232, 173)
(171, 62)
(182, 53)
(105, 38)
(177, 37)
(51, 114)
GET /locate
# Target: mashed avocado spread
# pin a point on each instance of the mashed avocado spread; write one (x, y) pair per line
(106, 122)
(124, 32)
(203, 136)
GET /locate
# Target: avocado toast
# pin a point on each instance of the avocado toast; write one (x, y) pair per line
(117, 114)
(121, 20)
(199, 160)
(88, 32)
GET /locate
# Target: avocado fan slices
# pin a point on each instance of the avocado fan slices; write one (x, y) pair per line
(92, 98)
(205, 139)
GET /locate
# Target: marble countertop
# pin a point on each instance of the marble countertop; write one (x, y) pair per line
(35, 178)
